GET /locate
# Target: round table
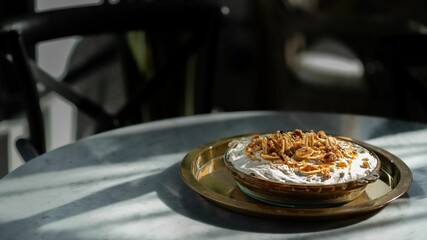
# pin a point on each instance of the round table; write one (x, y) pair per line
(125, 184)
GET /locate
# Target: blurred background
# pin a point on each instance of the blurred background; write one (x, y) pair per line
(342, 56)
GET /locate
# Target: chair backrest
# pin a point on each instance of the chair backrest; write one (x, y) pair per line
(22, 33)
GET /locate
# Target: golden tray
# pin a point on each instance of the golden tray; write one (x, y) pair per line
(203, 170)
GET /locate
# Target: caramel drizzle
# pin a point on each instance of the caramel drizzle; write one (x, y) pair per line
(308, 153)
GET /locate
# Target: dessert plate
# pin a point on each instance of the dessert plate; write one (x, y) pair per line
(203, 170)
(296, 194)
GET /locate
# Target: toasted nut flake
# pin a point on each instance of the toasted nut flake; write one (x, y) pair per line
(300, 150)
(365, 164)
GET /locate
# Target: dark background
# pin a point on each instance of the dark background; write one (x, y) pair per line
(263, 46)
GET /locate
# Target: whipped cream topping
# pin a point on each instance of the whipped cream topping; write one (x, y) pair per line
(358, 166)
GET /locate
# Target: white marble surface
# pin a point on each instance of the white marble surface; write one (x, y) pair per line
(125, 184)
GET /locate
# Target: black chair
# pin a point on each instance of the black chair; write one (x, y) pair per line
(19, 35)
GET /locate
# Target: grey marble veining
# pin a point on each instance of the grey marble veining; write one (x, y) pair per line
(125, 184)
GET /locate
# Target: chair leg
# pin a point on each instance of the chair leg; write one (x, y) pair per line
(26, 149)
(18, 58)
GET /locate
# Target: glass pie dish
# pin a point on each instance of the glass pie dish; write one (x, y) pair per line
(306, 194)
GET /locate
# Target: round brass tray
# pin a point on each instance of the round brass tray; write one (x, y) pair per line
(203, 169)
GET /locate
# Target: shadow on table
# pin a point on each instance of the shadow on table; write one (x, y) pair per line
(183, 200)
(175, 194)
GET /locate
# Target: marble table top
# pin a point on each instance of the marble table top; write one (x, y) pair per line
(125, 184)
